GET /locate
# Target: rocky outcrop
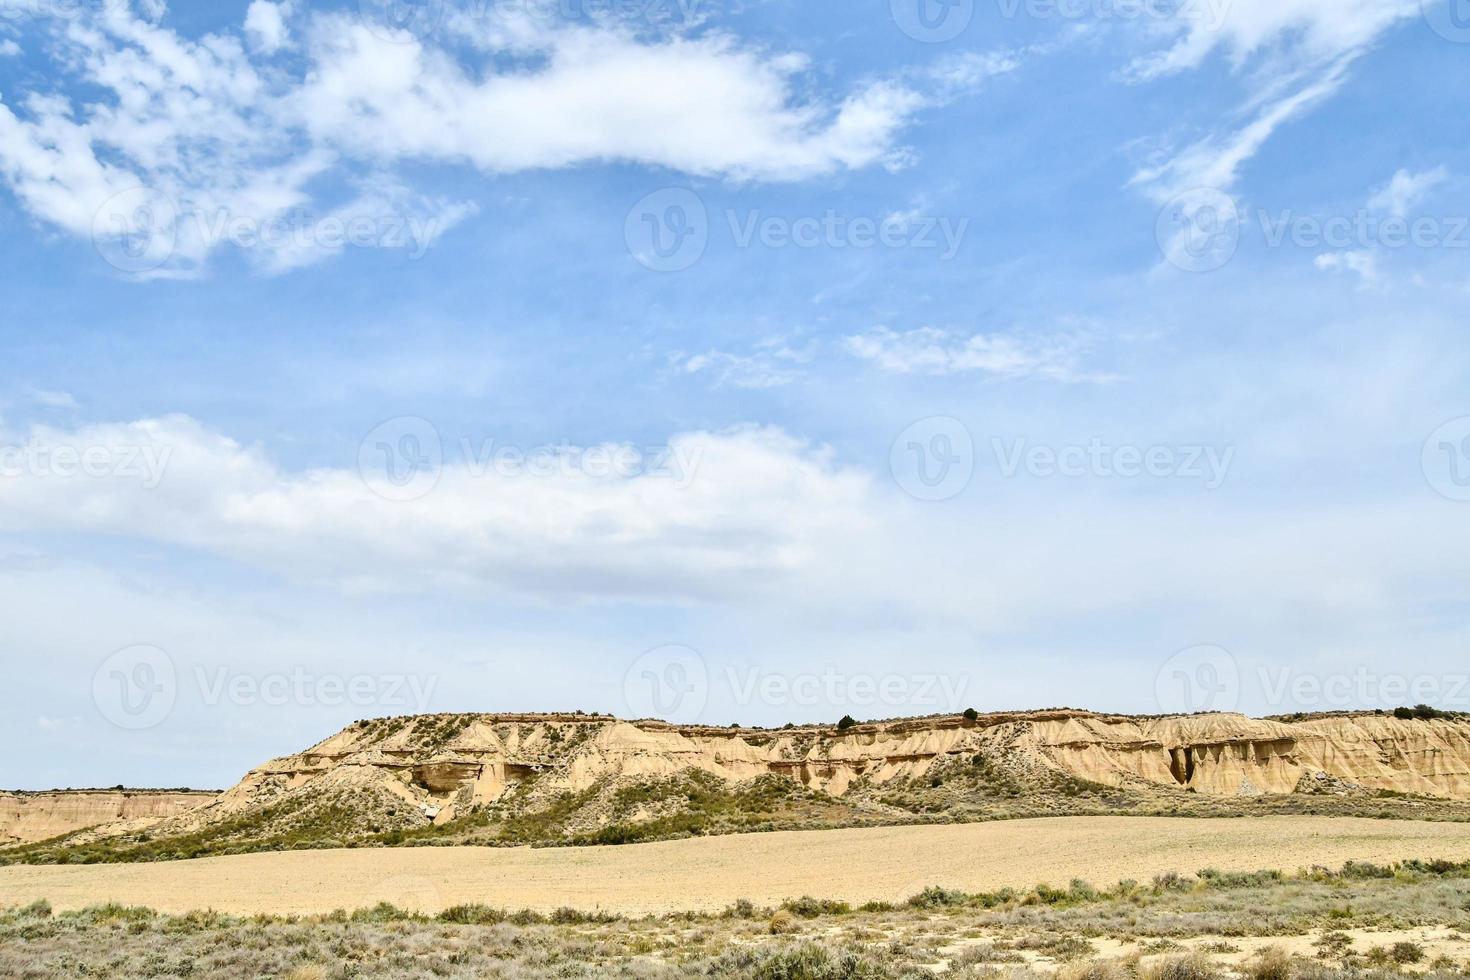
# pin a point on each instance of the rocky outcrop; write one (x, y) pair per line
(28, 817)
(453, 764)
(411, 772)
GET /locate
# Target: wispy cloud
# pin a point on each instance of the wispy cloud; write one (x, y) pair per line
(1407, 190)
(768, 365)
(929, 350)
(1292, 55)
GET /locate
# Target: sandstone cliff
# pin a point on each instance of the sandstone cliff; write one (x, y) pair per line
(448, 766)
(534, 778)
(27, 817)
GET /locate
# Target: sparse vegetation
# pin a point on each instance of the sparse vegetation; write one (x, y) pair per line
(1169, 930)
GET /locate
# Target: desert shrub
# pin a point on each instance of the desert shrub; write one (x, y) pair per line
(40, 909)
(1239, 879)
(847, 722)
(1271, 963)
(803, 962)
(1365, 869)
(1094, 970)
(971, 714)
(935, 897)
(565, 916)
(984, 953)
(811, 908)
(472, 915)
(1406, 952)
(1058, 946)
(382, 912)
(782, 923)
(1171, 881)
(1334, 945)
(1192, 966)
(743, 908)
(308, 971)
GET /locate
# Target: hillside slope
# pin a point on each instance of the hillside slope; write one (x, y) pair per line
(578, 778)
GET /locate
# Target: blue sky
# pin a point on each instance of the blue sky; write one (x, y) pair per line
(1105, 355)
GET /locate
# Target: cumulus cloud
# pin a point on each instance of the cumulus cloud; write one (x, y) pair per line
(181, 145)
(929, 350)
(265, 25)
(725, 512)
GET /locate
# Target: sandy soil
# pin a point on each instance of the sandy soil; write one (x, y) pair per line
(709, 873)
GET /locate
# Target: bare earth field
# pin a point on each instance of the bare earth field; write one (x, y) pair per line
(708, 874)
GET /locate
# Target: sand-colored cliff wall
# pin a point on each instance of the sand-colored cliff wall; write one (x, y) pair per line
(27, 817)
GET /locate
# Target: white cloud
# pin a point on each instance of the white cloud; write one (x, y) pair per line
(265, 25)
(1293, 54)
(1406, 190)
(9, 49)
(1214, 162)
(1312, 31)
(929, 350)
(1361, 262)
(230, 151)
(699, 105)
(769, 365)
(740, 510)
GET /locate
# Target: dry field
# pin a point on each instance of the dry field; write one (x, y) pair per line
(709, 874)
(1362, 922)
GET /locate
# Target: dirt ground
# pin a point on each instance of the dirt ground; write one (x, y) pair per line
(708, 874)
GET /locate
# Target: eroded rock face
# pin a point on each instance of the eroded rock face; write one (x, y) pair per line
(463, 761)
(440, 767)
(28, 817)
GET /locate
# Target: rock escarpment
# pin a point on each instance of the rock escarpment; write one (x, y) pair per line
(547, 778)
(27, 817)
(447, 766)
